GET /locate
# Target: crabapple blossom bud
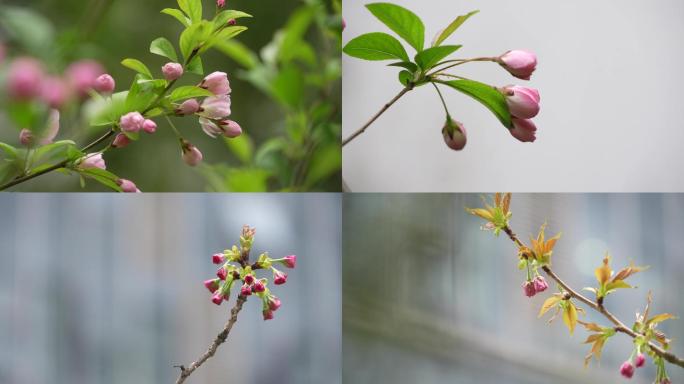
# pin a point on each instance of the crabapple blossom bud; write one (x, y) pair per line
(188, 107)
(519, 63)
(232, 22)
(222, 273)
(217, 258)
(220, 3)
(217, 298)
(665, 381)
(344, 24)
(127, 186)
(245, 290)
(231, 129)
(249, 279)
(454, 134)
(640, 360)
(273, 303)
(214, 128)
(523, 102)
(120, 141)
(105, 84)
(212, 284)
(259, 286)
(24, 79)
(279, 277)
(627, 369)
(172, 71)
(289, 261)
(26, 137)
(217, 83)
(528, 288)
(132, 122)
(268, 314)
(92, 160)
(149, 126)
(540, 284)
(54, 92)
(524, 130)
(191, 155)
(82, 75)
(216, 107)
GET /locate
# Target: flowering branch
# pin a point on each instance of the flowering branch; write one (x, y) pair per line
(236, 267)
(514, 106)
(646, 337)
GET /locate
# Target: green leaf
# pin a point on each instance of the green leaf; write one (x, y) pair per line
(192, 8)
(188, 92)
(176, 13)
(405, 77)
(163, 47)
(242, 147)
(224, 16)
(31, 30)
(431, 56)
(196, 66)
(137, 66)
(193, 37)
(238, 52)
(53, 153)
(9, 150)
(225, 35)
(288, 86)
(489, 96)
(376, 46)
(405, 64)
(292, 34)
(452, 28)
(326, 161)
(402, 21)
(101, 176)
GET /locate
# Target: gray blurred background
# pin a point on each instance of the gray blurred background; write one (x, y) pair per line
(609, 75)
(108, 289)
(430, 298)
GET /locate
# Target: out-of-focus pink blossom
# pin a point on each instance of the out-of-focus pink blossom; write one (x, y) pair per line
(528, 289)
(217, 298)
(268, 314)
(82, 75)
(640, 360)
(54, 92)
(220, 3)
(222, 273)
(26, 137)
(279, 277)
(212, 285)
(627, 369)
(149, 126)
(540, 284)
(218, 258)
(245, 290)
(273, 303)
(25, 79)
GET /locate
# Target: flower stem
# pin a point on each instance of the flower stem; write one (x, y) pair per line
(441, 97)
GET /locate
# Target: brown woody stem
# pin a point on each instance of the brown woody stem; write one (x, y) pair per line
(378, 114)
(598, 307)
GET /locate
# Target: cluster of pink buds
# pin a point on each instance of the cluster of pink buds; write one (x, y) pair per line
(533, 286)
(523, 102)
(629, 366)
(236, 269)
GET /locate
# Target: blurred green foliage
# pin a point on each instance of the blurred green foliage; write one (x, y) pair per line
(290, 55)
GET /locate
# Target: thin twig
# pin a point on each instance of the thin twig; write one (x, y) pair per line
(220, 339)
(375, 117)
(619, 325)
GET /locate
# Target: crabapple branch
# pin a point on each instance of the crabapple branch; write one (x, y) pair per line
(619, 325)
(220, 339)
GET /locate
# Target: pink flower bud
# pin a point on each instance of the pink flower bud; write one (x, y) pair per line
(188, 107)
(212, 284)
(523, 102)
(289, 261)
(259, 286)
(149, 126)
(217, 83)
(524, 130)
(245, 290)
(528, 289)
(217, 298)
(127, 186)
(191, 155)
(627, 369)
(344, 25)
(216, 107)
(454, 134)
(120, 141)
(132, 122)
(640, 360)
(105, 84)
(222, 273)
(217, 258)
(92, 160)
(172, 71)
(54, 92)
(273, 303)
(220, 3)
(249, 279)
(665, 380)
(26, 137)
(232, 22)
(540, 284)
(24, 79)
(279, 277)
(82, 75)
(231, 129)
(268, 314)
(519, 63)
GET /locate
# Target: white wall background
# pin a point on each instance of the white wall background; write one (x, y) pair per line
(610, 79)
